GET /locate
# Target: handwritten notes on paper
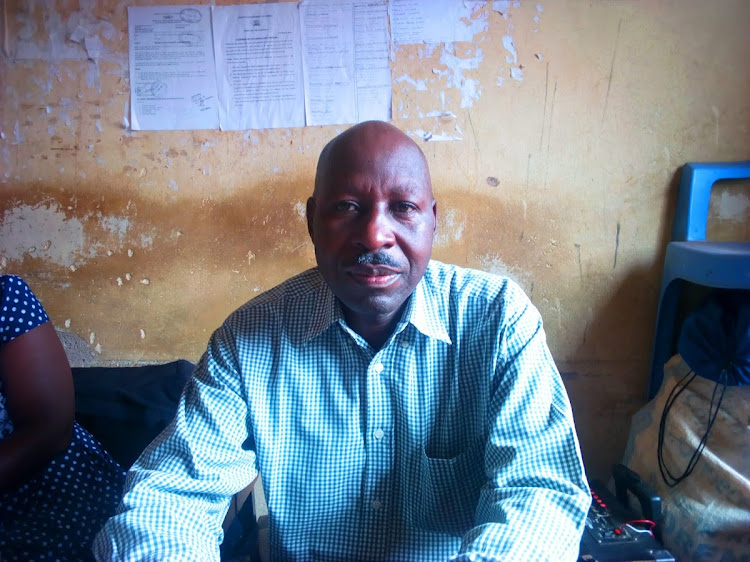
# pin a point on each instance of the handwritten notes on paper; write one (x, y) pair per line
(283, 64)
(172, 77)
(345, 61)
(431, 21)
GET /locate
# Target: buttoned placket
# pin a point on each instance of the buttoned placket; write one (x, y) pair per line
(380, 454)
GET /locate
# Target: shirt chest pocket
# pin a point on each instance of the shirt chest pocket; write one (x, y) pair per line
(444, 492)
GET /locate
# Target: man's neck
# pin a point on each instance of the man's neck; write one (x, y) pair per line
(374, 329)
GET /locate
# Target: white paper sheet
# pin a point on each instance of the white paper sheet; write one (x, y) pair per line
(371, 60)
(172, 76)
(430, 21)
(259, 66)
(345, 61)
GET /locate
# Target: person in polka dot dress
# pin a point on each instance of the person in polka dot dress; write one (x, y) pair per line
(57, 483)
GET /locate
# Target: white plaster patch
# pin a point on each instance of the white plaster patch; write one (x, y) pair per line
(493, 264)
(300, 208)
(503, 6)
(420, 85)
(430, 136)
(18, 138)
(476, 21)
(117, 226)
(451, 226)
(25, 226)
(468, 87)
(511, 48)
(437, 113)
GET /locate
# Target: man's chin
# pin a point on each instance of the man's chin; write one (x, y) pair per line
(374, 306)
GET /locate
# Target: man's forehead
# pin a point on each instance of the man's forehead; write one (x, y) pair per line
(369, 146)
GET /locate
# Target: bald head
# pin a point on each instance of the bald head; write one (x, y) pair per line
(372, 220)
(380, 139)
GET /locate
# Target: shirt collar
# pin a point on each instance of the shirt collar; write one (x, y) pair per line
(423, 311)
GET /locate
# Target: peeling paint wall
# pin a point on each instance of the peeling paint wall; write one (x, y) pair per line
(554, 139)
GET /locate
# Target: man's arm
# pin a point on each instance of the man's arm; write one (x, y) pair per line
(177, 493)
(534, 503)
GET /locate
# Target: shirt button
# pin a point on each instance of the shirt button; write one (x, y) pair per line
(405, 343)
(378, 368)
(376, 505)
(378, 434)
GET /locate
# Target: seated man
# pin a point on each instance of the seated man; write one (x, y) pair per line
(398, 408)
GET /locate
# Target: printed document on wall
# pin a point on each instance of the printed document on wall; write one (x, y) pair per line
(431, 21)
(172, 74)
(259, 66)
(345, 61)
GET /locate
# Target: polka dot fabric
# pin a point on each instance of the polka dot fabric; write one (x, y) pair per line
(54, 514)
(21, 311)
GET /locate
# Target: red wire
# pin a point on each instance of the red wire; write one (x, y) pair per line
(647, 522)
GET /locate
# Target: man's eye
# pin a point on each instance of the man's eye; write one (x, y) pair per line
(404, 207)
(345, 207)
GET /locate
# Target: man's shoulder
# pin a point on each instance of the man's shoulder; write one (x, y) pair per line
(296, 294)
(464, 282)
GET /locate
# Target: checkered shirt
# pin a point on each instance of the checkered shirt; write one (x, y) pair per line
(453, 441)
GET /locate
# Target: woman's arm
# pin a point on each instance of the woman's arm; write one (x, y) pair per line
(40, 400)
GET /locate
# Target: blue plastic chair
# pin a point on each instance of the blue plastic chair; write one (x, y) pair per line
(690, 257)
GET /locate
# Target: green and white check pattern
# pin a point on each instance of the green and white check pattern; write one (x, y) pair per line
(454, 441)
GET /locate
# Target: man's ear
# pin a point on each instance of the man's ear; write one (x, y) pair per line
(434, 215)
(309, 213)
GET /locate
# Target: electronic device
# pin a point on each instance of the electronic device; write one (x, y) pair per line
(616, 533)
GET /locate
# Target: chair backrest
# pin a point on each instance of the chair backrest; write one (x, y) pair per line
(695, 193)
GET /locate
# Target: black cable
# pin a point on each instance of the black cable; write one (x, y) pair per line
(670, 479)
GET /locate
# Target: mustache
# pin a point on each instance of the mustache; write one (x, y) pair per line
(374, 258)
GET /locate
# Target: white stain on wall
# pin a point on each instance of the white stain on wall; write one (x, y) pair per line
(117, 226)
(512, 58)
(420, 85)
(504, 6)
(454, 74)
(451, 226)
(300, 209)
(45, 231)
(29, 226)
(493, 264)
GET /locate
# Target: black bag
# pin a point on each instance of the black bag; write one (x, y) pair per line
(125, 408)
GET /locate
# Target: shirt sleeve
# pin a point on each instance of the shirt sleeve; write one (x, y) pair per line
(534, 503)
(177, 493)
(20, 310)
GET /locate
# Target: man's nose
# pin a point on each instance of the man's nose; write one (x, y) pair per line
(376, 229)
